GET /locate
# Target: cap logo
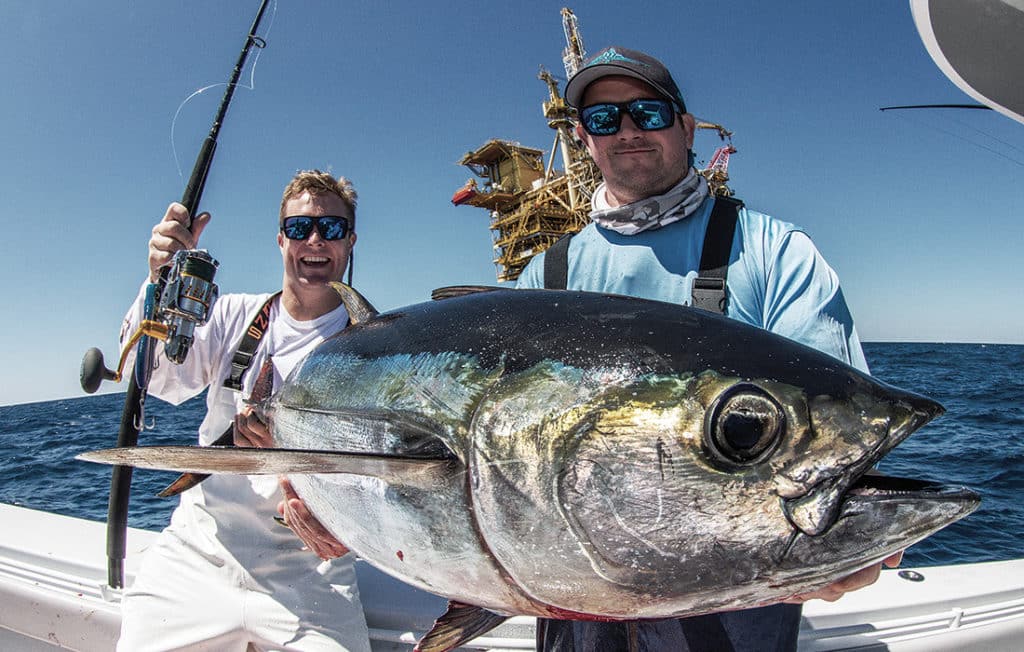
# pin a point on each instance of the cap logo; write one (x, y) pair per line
(611, 56)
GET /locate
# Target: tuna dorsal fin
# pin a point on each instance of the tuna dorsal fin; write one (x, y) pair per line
(359, 309)
(452, 291)
(461, 623)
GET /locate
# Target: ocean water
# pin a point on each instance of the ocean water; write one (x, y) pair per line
(979, 443)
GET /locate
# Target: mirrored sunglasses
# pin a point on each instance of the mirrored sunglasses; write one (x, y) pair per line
(330, 227)
(605, 119)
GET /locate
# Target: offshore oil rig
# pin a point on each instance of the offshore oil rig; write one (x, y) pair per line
(531, 203)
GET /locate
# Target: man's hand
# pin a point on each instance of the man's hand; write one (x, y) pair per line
(172, 234)
(306, 526)
(860, 579)
(250, 432)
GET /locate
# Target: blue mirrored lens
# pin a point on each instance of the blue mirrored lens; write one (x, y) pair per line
(601, 119)
(651, 115)
(332, 228)
(297, 228)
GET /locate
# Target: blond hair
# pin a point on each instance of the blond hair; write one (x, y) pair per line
(317, 183)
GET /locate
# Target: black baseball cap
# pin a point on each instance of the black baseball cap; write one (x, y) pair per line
(618, 60)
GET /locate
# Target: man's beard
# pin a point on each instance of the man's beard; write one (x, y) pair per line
(636, 177)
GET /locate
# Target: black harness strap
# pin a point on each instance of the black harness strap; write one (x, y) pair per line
(709, 287)
(556, 264)
(247, 347)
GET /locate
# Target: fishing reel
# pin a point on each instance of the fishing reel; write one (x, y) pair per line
(186, 300)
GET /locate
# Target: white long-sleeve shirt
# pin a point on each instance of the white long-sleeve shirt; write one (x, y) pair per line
(230, 517)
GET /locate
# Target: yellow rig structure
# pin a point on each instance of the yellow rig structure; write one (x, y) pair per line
(532, 204)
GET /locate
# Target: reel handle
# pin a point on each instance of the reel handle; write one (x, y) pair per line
(94, 371)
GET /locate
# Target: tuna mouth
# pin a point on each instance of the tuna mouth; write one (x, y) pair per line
(880, 514)
(818, 509)
(877, 486)
(943, 502)
(817, 512)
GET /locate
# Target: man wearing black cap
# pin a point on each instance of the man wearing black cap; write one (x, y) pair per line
(646, 239)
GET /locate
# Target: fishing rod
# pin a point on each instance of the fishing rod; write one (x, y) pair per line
(938, 106)
(174, 305)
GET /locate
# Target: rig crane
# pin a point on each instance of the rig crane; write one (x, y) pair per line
(717, 171)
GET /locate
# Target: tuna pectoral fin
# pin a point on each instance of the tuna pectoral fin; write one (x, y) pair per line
(461, 623)
(272, 461)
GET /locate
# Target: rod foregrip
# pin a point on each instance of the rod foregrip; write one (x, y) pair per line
(196, 183)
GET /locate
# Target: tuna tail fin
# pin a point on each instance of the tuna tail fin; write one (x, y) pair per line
(359, 309)
(452, 291)
(461, 623)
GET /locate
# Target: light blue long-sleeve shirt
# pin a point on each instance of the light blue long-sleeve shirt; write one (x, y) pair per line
(777, 279)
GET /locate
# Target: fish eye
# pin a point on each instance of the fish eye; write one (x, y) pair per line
(744, 425)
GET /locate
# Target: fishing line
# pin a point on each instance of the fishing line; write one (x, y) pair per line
(259, 43)
(988, 135)
(904, 116)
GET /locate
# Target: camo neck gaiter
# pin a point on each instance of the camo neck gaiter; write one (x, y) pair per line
(682, 200)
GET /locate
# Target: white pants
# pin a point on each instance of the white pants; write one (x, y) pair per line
(184, 600)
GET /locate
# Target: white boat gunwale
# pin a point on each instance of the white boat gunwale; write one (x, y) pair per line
(53, 574)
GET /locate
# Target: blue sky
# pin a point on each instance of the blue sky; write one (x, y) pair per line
(919, 212)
